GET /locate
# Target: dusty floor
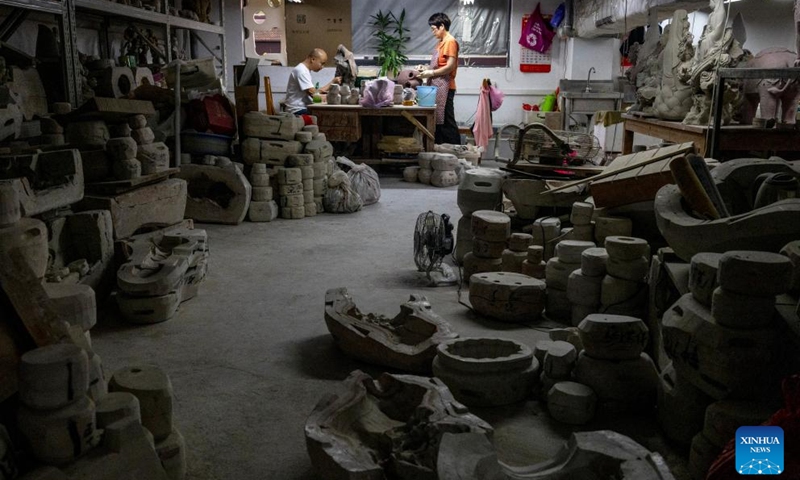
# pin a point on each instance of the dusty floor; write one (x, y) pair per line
(251, 356)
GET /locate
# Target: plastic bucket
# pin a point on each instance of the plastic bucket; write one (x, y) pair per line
(426, 96)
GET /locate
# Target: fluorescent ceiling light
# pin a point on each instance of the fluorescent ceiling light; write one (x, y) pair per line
(467, 2)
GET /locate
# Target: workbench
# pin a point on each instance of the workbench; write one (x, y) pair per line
(733, 138)
(354, 123)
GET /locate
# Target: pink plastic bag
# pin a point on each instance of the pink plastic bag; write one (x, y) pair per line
(496, 95)
(537, 34)
(378, 93)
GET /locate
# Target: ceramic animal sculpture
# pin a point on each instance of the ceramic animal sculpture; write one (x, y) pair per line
(674, 96)
(771, 92)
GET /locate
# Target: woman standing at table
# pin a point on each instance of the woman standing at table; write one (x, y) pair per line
(442, 72)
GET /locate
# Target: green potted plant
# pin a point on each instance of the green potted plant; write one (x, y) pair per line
(391, 34)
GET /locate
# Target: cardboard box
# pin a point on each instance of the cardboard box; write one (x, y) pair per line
(321, 24)
(245, 96)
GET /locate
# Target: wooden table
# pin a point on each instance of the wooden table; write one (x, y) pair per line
(354, 123)
(734, 138)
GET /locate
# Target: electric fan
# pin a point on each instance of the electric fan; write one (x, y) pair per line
(433, 240)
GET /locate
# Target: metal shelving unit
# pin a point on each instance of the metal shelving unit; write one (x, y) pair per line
(66, 11)
(65, 18)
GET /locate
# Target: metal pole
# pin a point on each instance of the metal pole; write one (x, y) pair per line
(177, 160)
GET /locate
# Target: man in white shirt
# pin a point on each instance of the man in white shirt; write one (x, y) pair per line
(300, 88)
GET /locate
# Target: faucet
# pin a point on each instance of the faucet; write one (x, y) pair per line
(588, 78)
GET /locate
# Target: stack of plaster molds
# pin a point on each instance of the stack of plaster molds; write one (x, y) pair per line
(546, 232)
(733, 349)
(624, 290)
(614, 365)
(484, 372)
(263, 208)
(443, 170)
(122, 153)
(605, 227)
(481, 189)
(55, 416)
(425, 171)
(490, 230)
(290, 190)
(581, 220)
(323, 166)
(558, 361)
(216, 193)
(557, 272)
(722, 419)
(27, 235)
(305, 163)
(517, 252)
(151, 386)
(160, 274)
(585, 284)
(507, 297)
(271, 138)
(153, 156)
(533, 265)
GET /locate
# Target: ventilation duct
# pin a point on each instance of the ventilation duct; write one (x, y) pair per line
(595, 18)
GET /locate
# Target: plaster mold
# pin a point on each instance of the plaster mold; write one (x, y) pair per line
(216, 194)
(766, 228)
(45, 180)
(507, 297)
(406, 342)
(471, 456)
(483, 372)
(385, 427)
(161, 273)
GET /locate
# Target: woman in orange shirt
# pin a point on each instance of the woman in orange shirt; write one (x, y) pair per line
(442, 72)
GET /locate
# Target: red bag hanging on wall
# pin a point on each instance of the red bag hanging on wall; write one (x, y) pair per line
(537, 34)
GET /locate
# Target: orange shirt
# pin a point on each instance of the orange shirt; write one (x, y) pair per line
(448, 47)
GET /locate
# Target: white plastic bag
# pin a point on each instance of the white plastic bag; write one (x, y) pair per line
(340, 198)
(363, 180)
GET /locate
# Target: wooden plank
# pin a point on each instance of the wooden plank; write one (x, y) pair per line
(419, 125)
(643, 158)
(121, 186)
(29, 299)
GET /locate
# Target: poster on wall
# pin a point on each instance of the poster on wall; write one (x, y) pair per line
(532, 61)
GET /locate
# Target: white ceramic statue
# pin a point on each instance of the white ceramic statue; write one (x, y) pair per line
(674, 97)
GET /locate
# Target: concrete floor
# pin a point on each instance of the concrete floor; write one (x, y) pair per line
(250, 356)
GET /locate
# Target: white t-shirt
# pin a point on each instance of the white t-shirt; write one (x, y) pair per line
(299, 81)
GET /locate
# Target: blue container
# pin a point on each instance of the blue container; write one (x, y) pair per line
(426, 96)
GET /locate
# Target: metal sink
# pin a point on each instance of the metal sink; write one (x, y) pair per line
(591, 102)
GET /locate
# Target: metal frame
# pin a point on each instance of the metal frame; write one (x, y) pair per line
(741, 74)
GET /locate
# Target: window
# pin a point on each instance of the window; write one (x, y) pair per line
(482, 29)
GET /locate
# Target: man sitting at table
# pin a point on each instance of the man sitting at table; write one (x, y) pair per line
(300, 89)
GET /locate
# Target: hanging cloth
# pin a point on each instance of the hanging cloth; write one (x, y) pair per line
(442, 85)
(482, 130)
